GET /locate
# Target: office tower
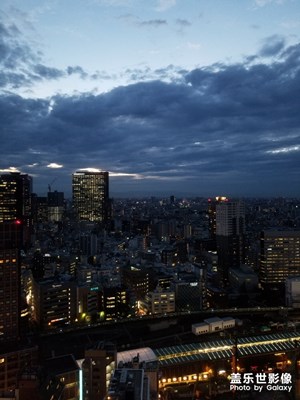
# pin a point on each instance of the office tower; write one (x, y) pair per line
(115, 303)
(53, 302)
(13, 354)
(55, 206)
(230, 236)
(15, 201)
(39, 208)
(188, 295)
(44, 265)
(138, 279)
(279, 256)
(89, 303)
(10, 236)
(212, 204)
(97, 369)
(91, 196)
(15, 224)
(89, 245)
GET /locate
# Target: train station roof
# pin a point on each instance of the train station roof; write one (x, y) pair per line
(224, 349)
(144, 354)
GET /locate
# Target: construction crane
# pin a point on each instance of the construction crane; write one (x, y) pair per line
(50, 184)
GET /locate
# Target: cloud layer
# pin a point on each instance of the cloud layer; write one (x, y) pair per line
(231, 129)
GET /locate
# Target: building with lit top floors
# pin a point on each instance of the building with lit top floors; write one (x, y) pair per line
(212, 223)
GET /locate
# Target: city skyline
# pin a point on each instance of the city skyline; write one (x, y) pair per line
(170, 97)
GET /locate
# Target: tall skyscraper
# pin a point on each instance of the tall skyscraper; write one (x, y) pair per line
(212, 223)
(230, 235)
(15, 201)
(91, 196)
(15, 228)
(279, 256)
(10, 235)
(212, 220)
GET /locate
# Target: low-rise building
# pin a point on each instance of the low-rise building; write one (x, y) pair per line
(214, 324)
(158, 302)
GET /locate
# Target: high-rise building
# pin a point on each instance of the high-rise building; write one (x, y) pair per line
(10, 234)
(15, 197)
(15, 226)
(55, 206)
(212, 204)
(91, 196)
(138, 279)
(279, 256)
(97, 369)
(15, 201)
(230, 236)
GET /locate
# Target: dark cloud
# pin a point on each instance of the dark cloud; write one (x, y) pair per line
(21, 66)
(169, 73)
(134, 20)
(77, 70)
(224, 128)
(273, 46)
(183, 22)
(45, 72)
(102, 75)
(154, 22)
(14, 51)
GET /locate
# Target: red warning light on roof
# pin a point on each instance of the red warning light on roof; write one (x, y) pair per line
(18, 222)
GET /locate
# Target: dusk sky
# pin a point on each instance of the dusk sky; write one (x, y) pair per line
(183, 97)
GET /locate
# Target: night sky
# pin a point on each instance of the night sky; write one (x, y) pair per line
(183, 97)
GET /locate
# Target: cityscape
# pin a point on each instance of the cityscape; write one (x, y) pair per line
(148, 298)
(149, 200)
